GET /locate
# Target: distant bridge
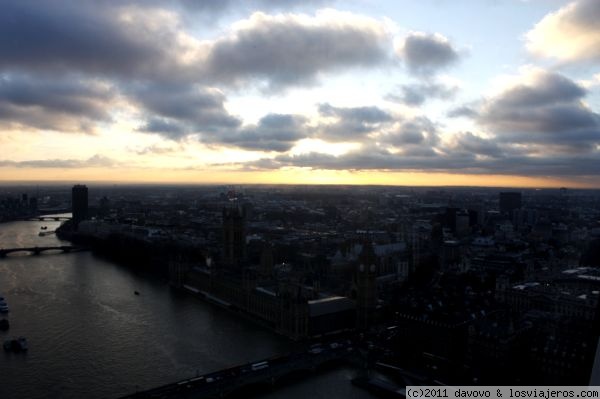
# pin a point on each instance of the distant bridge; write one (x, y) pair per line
(266, 372)
(38, 250)
(43, 218)
(53, 211)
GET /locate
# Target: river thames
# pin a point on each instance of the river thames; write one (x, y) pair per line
(90, 336)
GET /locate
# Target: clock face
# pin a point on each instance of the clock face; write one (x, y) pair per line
(361, 267)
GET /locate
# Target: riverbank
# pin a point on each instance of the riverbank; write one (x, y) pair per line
(90, 336)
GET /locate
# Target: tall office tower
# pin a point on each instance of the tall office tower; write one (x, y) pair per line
(509, 202)
(79, 203)
(234, 236)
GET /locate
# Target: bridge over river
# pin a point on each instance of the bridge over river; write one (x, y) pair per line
(43, 218)
(267, 372)
(39, 250)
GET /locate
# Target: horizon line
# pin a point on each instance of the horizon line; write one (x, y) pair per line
(183, 183)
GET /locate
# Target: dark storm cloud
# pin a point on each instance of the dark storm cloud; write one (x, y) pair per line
(274, 132)
(289, 50)
(351, 123)
(97, 161)
(425, 54)
(62, 105)
(545, 109)
(419, 93)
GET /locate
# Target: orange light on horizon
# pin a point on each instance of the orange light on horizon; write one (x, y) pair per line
(288, 176)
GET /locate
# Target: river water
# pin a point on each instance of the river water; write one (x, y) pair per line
(90, 337)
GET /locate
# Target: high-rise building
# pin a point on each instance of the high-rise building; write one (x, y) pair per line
(79, 203)
(509, 202)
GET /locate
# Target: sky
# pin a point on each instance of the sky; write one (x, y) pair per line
(400, 92)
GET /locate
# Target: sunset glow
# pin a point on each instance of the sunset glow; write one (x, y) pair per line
(320, 92)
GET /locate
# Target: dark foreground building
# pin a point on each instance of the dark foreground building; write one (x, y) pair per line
(509, 202)
(79, 200)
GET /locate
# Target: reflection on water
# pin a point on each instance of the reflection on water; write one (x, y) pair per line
(90, 336)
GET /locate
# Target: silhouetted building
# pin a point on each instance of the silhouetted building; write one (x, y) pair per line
(509, 202)
(366, 295)
(450, 218)
(266, 261)
(462, 223)
(79, 201)
(234, 236)
(104, 208)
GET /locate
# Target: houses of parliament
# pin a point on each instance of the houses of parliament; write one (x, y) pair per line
(280, 301)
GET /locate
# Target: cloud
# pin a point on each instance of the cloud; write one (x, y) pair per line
(417, 135)
(295, 49)
(143, 42)
(465, 111)
(165, 127)
(426, 54)
(418, 93)
(155, 149)
(175, 111)
(368, 157)
(570, 34)
(96, 161)
(274, 132)
(350, 123)
(452, 160)
(101, 38)
(215, 7)
(469, 143)
(545, 108)
(147, 57)
(67, 105)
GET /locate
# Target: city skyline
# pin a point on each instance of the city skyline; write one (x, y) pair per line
(494, 93)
